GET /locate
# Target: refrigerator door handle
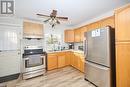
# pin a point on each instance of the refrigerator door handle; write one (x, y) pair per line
(97, 66)
(85, 48)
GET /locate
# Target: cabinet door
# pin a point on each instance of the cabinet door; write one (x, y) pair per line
(72, 58)
(69, 36)
(61, 59)
(38, 29)
(108, 22)
(67, 59)
(82, 63)
(94, 26)
(52, 62)
(122, 21)
(33, 30)
(83, 30)
(123, 64)
(76, 58)
(28, 28)
(77, 35)
(79, 62)
(66, 36)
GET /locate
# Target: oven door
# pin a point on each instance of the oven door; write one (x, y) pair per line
(34, 62)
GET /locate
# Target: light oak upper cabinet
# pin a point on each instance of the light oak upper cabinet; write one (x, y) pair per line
(69, 35)
(52, 61)
(110, 21)
(94, 26)
(83, 30)
(122, 20)
(77, 35)
(32, 30)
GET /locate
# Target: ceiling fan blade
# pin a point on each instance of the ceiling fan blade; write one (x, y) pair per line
(42, 15)
(47, 20)
(62, 18)
(57, 21)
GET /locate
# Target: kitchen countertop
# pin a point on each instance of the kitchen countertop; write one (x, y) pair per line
(77, 51)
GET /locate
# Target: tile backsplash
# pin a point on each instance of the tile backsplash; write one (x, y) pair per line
(76, 45)
(33, 42)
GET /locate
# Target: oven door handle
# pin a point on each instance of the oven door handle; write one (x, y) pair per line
(43, 59)
(42, 56)
(26, 58)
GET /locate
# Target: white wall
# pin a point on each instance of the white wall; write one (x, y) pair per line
(12, 21)
(10, 60)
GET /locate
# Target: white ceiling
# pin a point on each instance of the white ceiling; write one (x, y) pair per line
(78, 11)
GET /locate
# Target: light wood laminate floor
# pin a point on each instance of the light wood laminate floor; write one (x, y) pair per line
(65, 77)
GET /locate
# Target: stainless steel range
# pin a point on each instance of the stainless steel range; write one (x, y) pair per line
(34, 62)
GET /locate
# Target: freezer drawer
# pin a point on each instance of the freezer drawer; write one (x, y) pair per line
(99, 75)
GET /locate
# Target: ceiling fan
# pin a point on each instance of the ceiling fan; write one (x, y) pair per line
(52, 18)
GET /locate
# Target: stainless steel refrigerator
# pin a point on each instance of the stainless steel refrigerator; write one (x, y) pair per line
(100, 57)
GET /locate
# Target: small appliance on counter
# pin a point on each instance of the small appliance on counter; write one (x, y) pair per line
(71, 46)
(34, 62)
(80, 48)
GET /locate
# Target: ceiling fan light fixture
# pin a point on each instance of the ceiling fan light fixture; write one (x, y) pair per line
(53, 19)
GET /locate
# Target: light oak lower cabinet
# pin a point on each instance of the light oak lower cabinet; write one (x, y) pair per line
(67, 59)
(81, 63)
(58, 60)
(123, 64)
(78, 61)
(61, 59)
(72, 59)
(75, 64)
(52, 62)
